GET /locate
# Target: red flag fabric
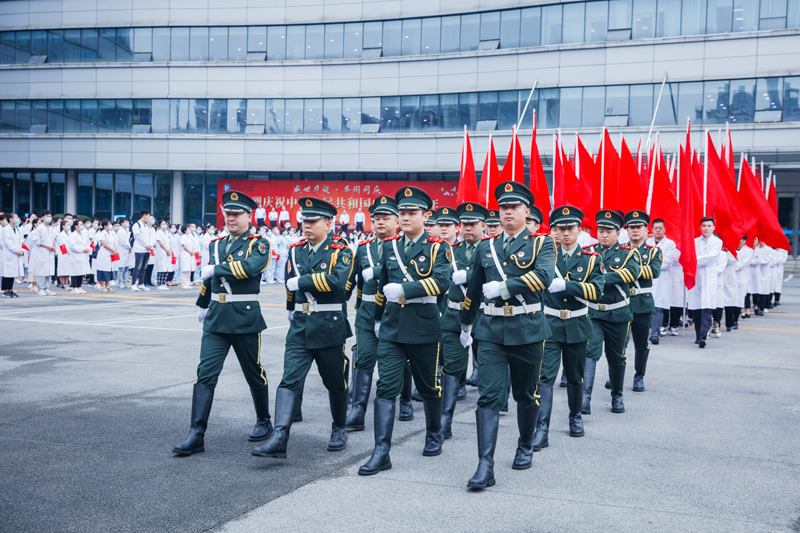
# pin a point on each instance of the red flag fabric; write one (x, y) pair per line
(664, 204)
(608, 161)
(514, 167)
(115, 257)
(467, 183)
(685, 244)
(63, 249)
(773, 196)
(730, 164)
(559, 184)
(538, 182)
(25, 247)
(490, 178)
(630, 194)
(589, 174)
(768, 228)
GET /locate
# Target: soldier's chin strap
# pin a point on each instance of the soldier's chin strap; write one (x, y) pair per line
(502, 272)
(225, 283)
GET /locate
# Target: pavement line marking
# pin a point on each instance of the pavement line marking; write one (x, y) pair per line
(773, 329)
(51, 322)
(115, 322)
(790, 277)
(60, 307)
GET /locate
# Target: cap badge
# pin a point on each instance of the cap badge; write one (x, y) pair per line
(509, 187)
(309, 203)
(491, 213)
(608, 214)
(383, 199)
(408, 193)
(636, 214)
(445, 211)
(234, 196)
(565, 211)
(469, 207)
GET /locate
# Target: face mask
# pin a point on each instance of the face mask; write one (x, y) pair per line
(48, 219)
(151, 221)
(80, 227)
(164, 227)
(174, 230)
(67, 224)
(116, 228)
(262, 232)
(192, 230)
(95, 226)
(17, 222)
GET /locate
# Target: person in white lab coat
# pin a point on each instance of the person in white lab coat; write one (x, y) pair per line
(702, 299)
(143, 243)
(188, 261)
(12, 253)
(730, 291)
(761, 283)
(163, 255)
(662, 285)
(43, 250)
(282, 241)
(126, 256)
(719, 311)
(27, 229)
(269, 272)
(781, 256)
(175, 247)
(745, 255)
(106, 243)
(79, 250)
(64, 266)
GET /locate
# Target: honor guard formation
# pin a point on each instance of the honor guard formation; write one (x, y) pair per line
(435, 288)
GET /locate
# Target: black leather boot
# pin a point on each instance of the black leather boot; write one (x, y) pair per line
(472, 380)
(338, 401)
(384, 423)
(361, 386)
(617, 377)
(542, 423)
(488, 422)
(285, 406)
(563, 380)
(263, 428)
(526, 421)
(298, 414)
(462, 387)
(450, 387)
(588, 384)
(406, 407)
(202, 397)
(640, 365)
(434, 436)
(352, 374)
(575, 401)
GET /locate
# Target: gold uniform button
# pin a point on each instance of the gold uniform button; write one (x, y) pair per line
(222, 286)
(565, 299)
(505, 303)
(248, 307)
(504, 263)
(467, 268)
(336, 318)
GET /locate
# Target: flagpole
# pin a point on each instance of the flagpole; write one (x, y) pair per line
(464, 152)
(513, 152)
(639, 154)
(519, 120)
(652, 179)
(763, 185)
(705, 173)
(489, 167)
(742, 163)
(577, 156)
(602, 166)
(769, 181)
(655, 111)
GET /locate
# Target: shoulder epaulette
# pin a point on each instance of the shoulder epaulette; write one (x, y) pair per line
(366, 242)
(217, 239)
(626, 247)
(434, 239)
(489, 237)
(392, 238)
(457, 243)
(299, 243)
(588, 247)
(253, 237)
(338, 246)
(588, 252)
(541, 234)
(337, 237)
(651, 246)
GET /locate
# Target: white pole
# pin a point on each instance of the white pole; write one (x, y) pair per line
(655, 111)
(577, 156)
(705, 173)
(639, 155)
(763, 185)
(652, 177)
(742, 163)
(513, 152)
(602, 166)
(519, 120)
(769, 181)
(464, 152)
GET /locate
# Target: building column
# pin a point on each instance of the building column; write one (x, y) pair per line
(176, 198)
(71, 192)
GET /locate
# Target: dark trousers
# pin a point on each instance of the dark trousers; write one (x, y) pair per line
(148, 274)
(702, 322)
(660, 320)
(640, 330)
(8, 284)
(613, 336)
(392, 359)
(494, 362)
(716, 314)
(747, 301)
(456, 357)
(214, 348)
(76, 282)
(360, 226)
(367, 346)
(732, 316)
(571, 354)
(161, 277)
(675, 314)
(331, 361)
(260, 222)
(139, 267)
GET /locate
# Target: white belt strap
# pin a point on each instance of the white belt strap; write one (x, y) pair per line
(399, 262)
(565, 314)
(502, 273)
(225, 283)
(424, 300)
(603, 307)
(641, 290)
(230, 298)
(310, 298)
(458, 306)
(510, 310)
(314, 307)
(369, 256)
(368, 298)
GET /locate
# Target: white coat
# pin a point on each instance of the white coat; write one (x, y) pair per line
(204, 239)
(761, 281)
(64, 260)
(175, 247)
(163, 257)
(662, 285)
(124, 249)
(730, 282)
(43, 261)
(79, 260)
(188, 262)
(704, 293)
(13, 266)
(103, 262)
(745, 255)
(781, 256)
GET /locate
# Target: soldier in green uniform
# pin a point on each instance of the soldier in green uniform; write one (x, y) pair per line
(231, 317)
(611, 315)
(511, 271)
(416, 270)
(578, 280)
(369, 260)
(642, 304)
(319, 268)
(534, 220)
(472, 217)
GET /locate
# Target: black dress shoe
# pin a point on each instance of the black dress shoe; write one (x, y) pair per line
(462, 393)
(654, 340)
(702, 343)
(736, 326)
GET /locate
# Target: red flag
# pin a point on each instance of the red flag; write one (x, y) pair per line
(768, 228)
(91, 245)
(697, 192)
(490, 178)
(514, 167)
(559, 185)
(773, 196)
(575, 192)
(115, 257)
(608, 160)
(589, 174)
(664, 204)
(25, 247)
(467, 183)
(630, 194)
(538, 182)
(685, 244)
(63, 249)
(730, 164)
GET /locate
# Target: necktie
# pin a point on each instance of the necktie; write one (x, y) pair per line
(311, 253)
(564, 260)
(380, 250)
(409, 244)
(509, 240)
(470, 251)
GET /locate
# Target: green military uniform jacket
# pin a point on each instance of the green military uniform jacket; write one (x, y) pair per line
(323, 280)
(428, 263)
(583, 279)
(366, 257)
(240, 267)
(529, 265)
(651, 258)
(621, 266)
(451, 318)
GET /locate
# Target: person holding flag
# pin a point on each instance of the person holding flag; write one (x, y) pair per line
(702, 298)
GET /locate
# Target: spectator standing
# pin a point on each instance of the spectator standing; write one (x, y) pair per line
(143, 242)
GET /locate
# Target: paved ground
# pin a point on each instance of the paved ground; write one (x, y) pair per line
(95, 390)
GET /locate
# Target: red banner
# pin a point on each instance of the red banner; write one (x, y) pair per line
(347, 196)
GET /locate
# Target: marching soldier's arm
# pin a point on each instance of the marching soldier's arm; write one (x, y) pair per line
(653, 270)
(383, 279)
(439, 279)
(336, 275)
(254, 263)
(544, 269)
(204, 298)
(591, 288)
(628, 272)
(354, 280)
(472, 300)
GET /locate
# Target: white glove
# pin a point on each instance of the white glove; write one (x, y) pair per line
(291, 314)
(292, 284)
(377, 329)
(460, 277)
(201, 314)
(393, 291)
(557, 285)
(207, 272)
(466, 339)
(491, 290)
(368, 274)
